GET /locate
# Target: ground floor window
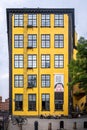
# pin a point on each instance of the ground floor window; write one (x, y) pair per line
(18, 102)
(59, 100)
(45, 102)
(32, 102)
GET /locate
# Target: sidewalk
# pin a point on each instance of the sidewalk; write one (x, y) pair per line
(68, 124)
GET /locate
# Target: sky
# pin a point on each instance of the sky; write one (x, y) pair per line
(80, 7)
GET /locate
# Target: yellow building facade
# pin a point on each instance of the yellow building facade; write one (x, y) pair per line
(41, 43)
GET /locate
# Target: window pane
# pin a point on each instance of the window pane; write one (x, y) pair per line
(18, 102)
(30, 64)
(59, 97)
(18, 61)
(59, 40)
(32, 81)
(32, 41)
(45, 61)
(45, 80)
(45, 40)
(18, 80)
(18, 20)
(18, 97)
(32, 20)
(59, 20)
(32, 61)
(18, 41)
(45, 102)
(32, 102)
(16, 57)
(59, 61)
(45, 20)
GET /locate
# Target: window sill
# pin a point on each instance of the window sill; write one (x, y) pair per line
(17, 87)
(45, 47)
(45, 67)
(31, 110)
(45, 110)
(59, 67)
(18, 47)
(58, 47)
(19, 110)
(29, 67)
(45, 26)
(58, 26)
(45, 87)
(18, 26)
(18, 67)
(30, 87)
(59, 110)
(30, 47)
(31, 26)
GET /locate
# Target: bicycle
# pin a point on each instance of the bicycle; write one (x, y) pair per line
(20, 120)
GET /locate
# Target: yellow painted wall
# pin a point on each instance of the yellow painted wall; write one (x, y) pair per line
(79, 102)
(52, 71)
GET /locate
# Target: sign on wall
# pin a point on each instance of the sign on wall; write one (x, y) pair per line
(59, 83)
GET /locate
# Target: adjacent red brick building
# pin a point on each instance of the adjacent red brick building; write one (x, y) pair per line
(4, 106)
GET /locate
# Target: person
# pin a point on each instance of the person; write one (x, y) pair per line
(0, 126)
(77, 108)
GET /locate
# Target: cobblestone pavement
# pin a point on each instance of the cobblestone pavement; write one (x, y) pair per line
(55, 124)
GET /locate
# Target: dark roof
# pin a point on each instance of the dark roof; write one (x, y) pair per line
(41, 10)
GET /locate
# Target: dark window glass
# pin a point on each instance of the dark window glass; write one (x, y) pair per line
(45, 102)
(32, 102)
(32, 81)
(18, 102)
(59, 100)
(18, 41)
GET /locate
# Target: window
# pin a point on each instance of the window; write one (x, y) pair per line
(45, 41)
(59, 40)
(18, 102)
(18, 20)
(18, 61)
(32, 102)
(32, 81)
(59, 61)
(18, 41)
(45, 20)
(45, 102)
(31, 61)
(45, 78)
(32, 20)
(18, 81)
(45, 61)
(59, 20)
(59, 100)
(32, 41)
